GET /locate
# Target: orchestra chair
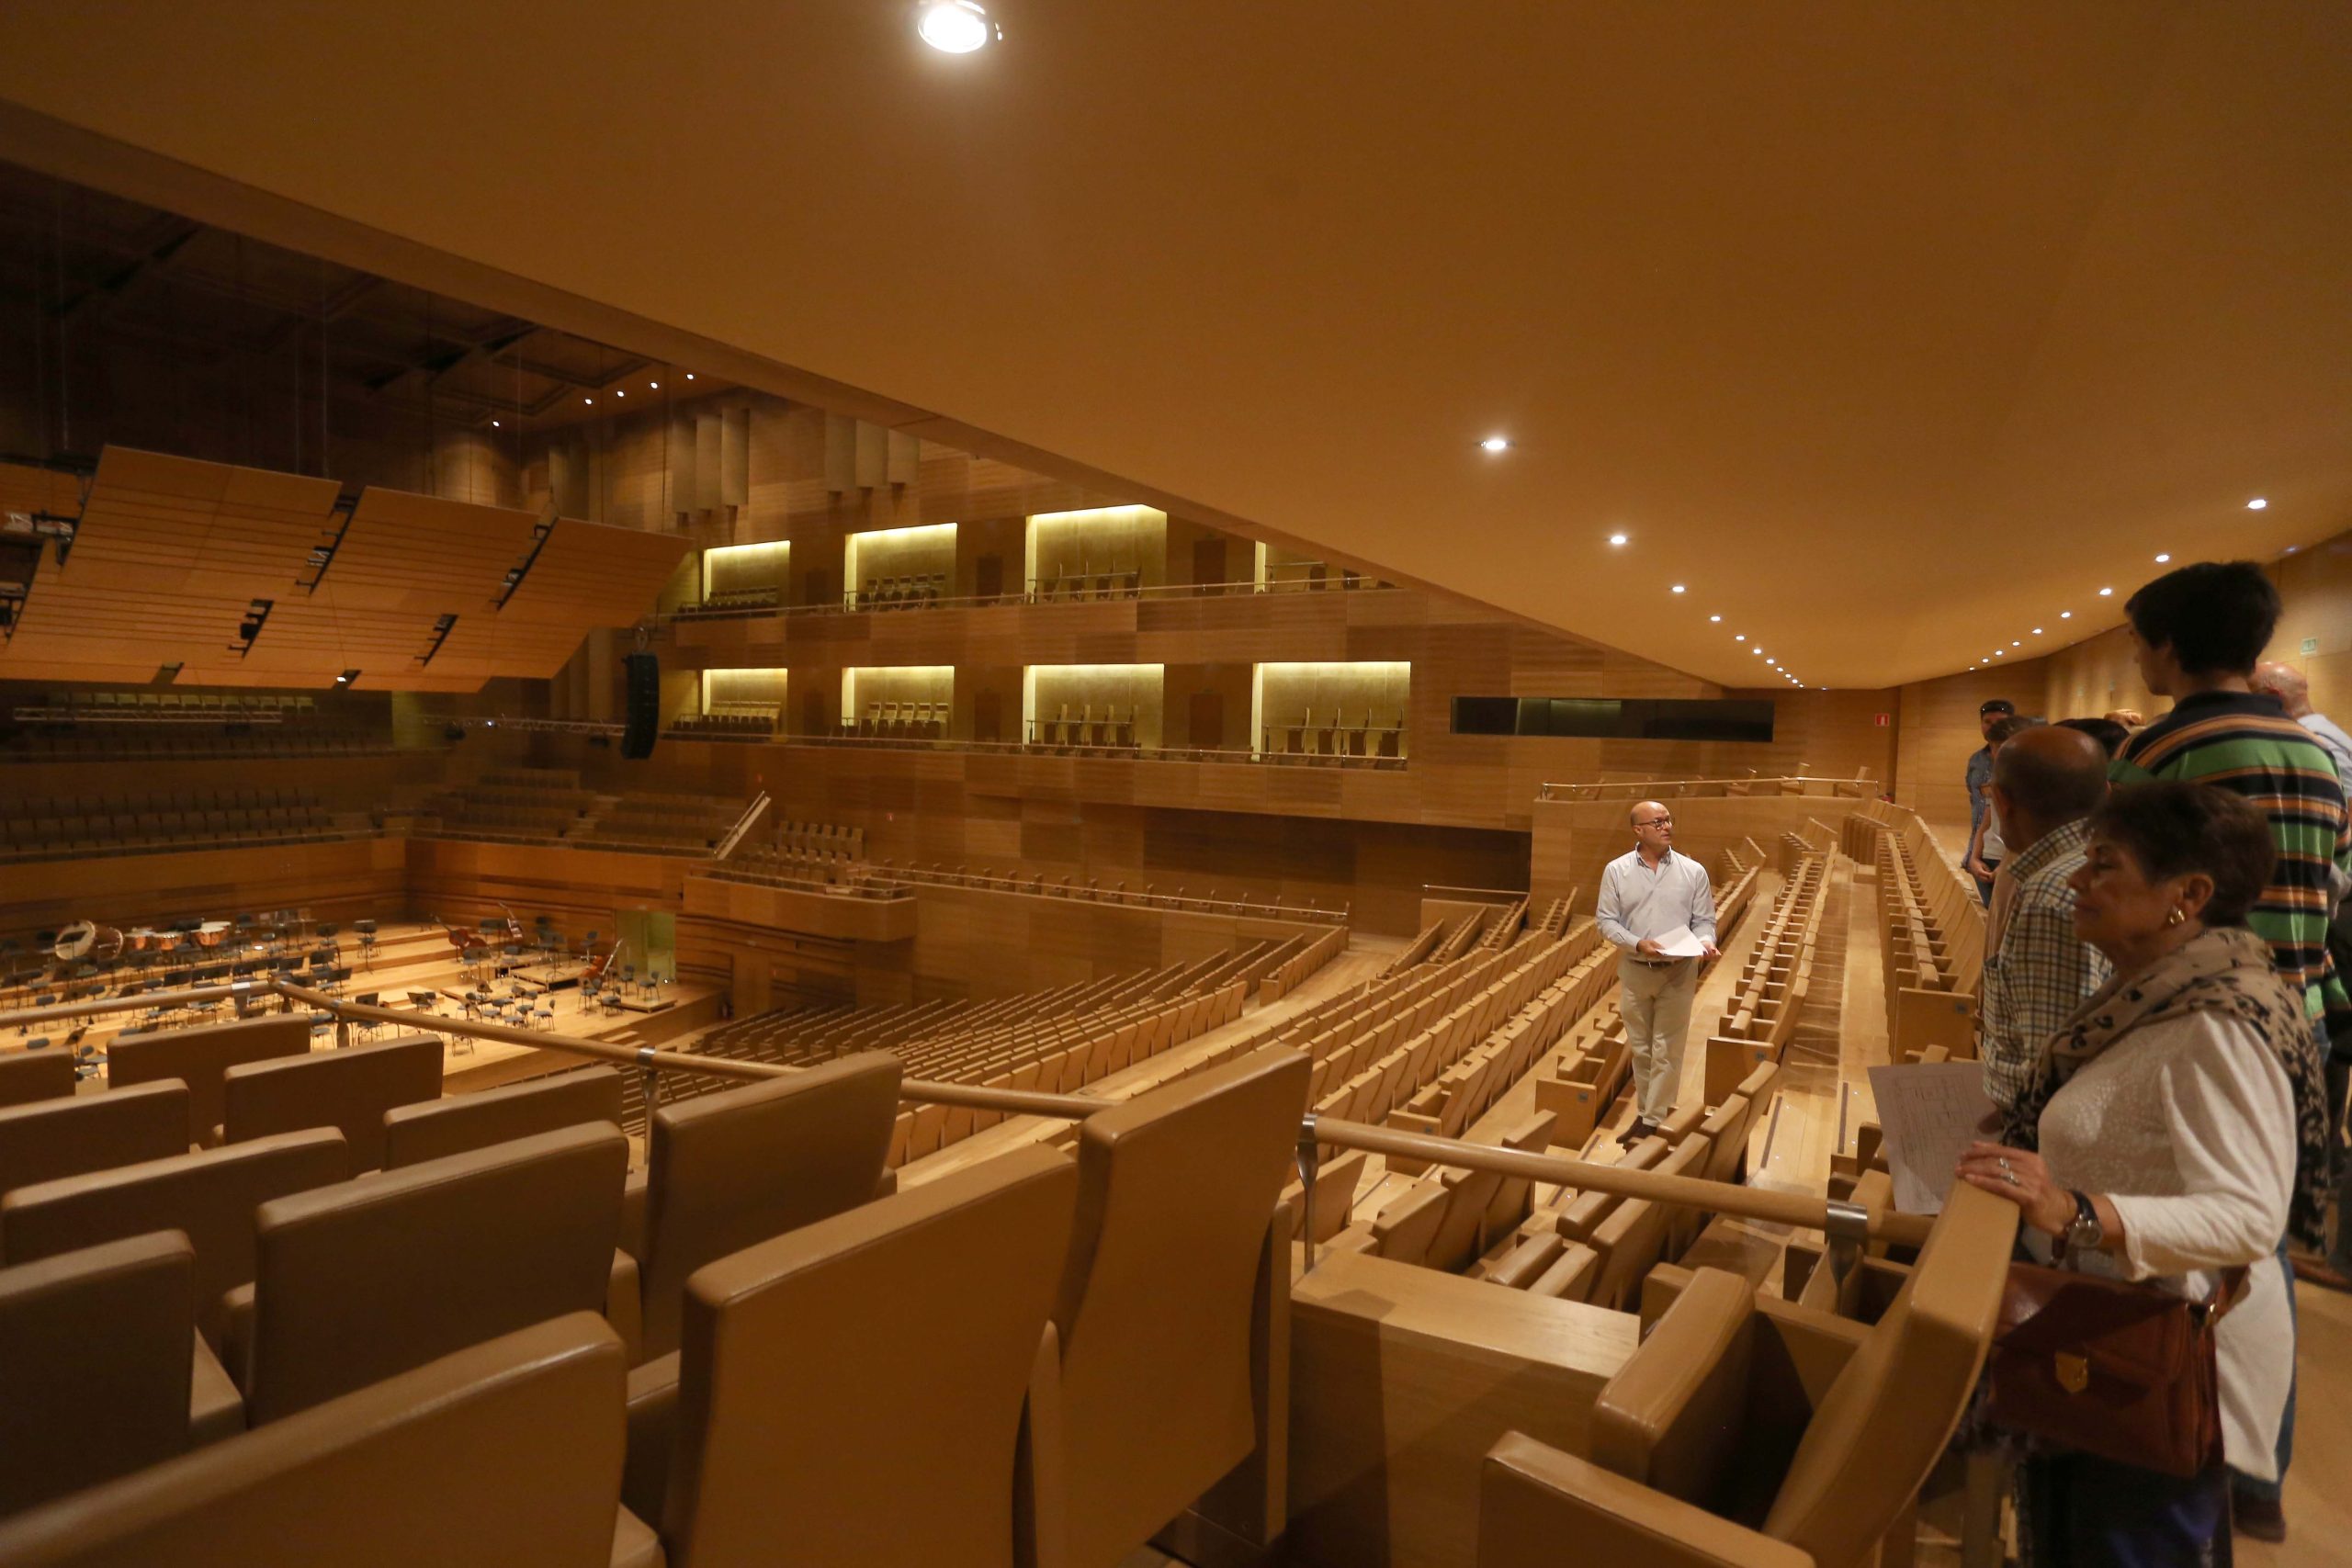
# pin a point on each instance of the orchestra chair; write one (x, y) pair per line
(96, 1358)
(1173, 1313)
(199, 1057)
(935, 1300)
(210, 1196)
(29, 1076)
(357, 1282)
(53, 1138)
(1749, 1430)
(727, 1170)
(349, 1090)
(460, 1124)
(506, 1454)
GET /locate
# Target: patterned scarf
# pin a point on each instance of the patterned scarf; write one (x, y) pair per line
(2226, 970)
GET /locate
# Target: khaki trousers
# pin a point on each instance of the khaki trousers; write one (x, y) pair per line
(1655, 1001)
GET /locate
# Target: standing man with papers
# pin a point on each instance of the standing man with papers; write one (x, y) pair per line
(1658, 907)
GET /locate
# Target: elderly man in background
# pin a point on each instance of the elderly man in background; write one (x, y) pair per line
(2294, 693)
(1979, 776)
(2046, 782)
(1646, 893)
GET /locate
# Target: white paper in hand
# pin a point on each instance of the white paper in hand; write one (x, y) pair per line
(1679, 943)
(1929, 1114)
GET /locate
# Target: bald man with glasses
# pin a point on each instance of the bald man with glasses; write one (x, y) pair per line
(1649, 893)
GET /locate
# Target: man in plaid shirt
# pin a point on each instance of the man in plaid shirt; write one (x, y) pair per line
(2046, 782)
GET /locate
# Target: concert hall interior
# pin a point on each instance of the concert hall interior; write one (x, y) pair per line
(917, 782)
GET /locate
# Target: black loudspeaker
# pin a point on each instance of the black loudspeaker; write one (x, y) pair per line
(644, 706)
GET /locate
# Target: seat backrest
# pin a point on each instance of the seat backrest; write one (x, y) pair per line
(932, 1300)
(1671, 1417)
(1176, 1192)
(727, 1170)
(27, 1076)
(1633, 1236)
(355, 1282)
(1727, 1135)
(1882, 1423)
(199, 1057)
(504, 1455)
(96, 1351)
(54, 1138)
(458, 1123)
(348, 1091)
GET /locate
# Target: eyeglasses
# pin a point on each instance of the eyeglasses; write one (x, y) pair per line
(1656, 822)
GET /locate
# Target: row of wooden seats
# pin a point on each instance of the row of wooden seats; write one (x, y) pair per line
(737, 599)
(116, 742)
(901, 721)
(822, 838)
(898, 592)
(223, 705)
(1111, 728)
(1370, 734)
(1761, 1016)
(1504, 929)
(1085, 583)
(729, 719)
(1298, 960)
(1032, 1318)
(1931, 930)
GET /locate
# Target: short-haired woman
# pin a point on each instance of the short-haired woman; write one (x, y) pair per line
(2169, 1125)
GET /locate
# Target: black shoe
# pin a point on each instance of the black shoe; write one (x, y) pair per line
(1636, 1133)
(2261, 1517)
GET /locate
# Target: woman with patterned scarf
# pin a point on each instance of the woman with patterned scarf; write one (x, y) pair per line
(2174, 1123)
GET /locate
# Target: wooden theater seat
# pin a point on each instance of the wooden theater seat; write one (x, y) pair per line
(506, 1454)
(728, 1171)
(199, 1057)
(54, 1138)
(1688, 1439)
(460, 1124)
(933, 1301)
(27, 1077)
(349, 1090)
(1172, 1315)
(210, 1196)
(97, 1355)
(355, 1282)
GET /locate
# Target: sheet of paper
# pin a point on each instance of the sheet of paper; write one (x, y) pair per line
(1679, 943)
(1929, 1113)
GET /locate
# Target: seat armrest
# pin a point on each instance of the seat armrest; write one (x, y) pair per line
(1537, 1506)
(653, 1434)
(624, 1306)
(633, 1214)
(215, 1408)
(236, 1332)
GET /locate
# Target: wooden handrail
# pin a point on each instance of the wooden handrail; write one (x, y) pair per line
(28, 1017)
(1748, 1202)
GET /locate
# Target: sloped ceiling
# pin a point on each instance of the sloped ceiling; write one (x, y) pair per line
(1889, 332)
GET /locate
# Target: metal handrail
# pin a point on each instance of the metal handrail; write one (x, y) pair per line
(1837, 786)
(1285, 587)
(1725, 1198)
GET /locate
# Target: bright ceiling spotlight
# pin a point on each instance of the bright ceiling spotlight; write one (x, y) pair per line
(2257, 504)
(1678, 588)
(1739, 637)
(587, 400)
(656, 386)
(2037, 631)
(690, 374)
(954, 27)
(1714, 618)
(1495, 444)
(2107, 592)
(2162, 558)
(1617, 538)
(494, 424)
(2065, 614)
(2015, 643)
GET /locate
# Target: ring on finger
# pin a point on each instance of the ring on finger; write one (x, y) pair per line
(2011, 1177)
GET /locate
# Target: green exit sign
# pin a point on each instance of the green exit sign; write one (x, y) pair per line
(2311, 644)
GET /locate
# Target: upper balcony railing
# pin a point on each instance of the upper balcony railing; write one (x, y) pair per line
(743, 605)
(1631, 790)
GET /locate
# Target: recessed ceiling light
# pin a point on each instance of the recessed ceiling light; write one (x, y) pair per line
(656, 386)
(954, 27)
(2000, 653)
(1616, 539)
(620, 394)
(2037, 631)
(2065, 614)
(1755, 651)
(2257, 504)
(1739, 637)
(1678, 588)
(494, 424)
(1495, 444)
(2291, 549)
(2162, 558)
(1719, 618)
(1771, 661)
(587, 400)
(2107, 592)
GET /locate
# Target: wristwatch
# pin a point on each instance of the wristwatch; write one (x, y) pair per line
(2084, 1233)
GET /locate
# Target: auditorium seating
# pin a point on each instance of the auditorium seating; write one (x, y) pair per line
(659, 823)
(728, 721)
(1749, 1430)
(461, 1123)
(201, 1056)
(350, 1090)
(40, 827)
(1931, 930)
(1761, 1017)
(50, 1139)
(505, 1454)
(27, 1077)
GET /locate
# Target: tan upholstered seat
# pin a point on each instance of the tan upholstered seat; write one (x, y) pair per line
(932, 1301)
(27, 1077)
(53, 1138)
(459, 1123)
(210, 1196)
(504, 1455)
(355, 1282)
(730, 1169)
(1882, 1401)
(97, 1349)
(349, 1090)
(199, 1057)
(1155, 1314)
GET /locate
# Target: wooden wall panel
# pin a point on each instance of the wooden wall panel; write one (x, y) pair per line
(339, 880)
